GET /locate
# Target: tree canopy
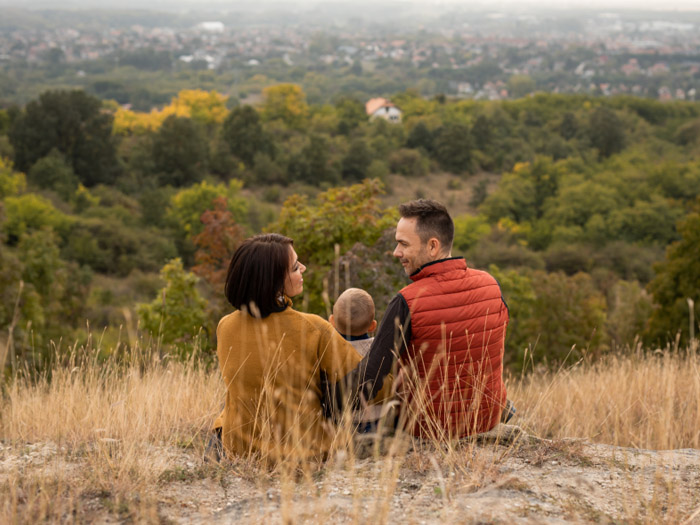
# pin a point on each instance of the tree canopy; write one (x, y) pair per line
(73, 123)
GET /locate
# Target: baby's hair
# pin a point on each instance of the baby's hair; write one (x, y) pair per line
(353, 312)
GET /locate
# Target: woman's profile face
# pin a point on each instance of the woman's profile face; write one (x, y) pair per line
(294, 282)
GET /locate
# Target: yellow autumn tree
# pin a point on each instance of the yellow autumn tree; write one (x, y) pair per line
(286, 102)
(206, 107)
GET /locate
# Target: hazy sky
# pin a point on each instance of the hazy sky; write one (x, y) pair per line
(557, 4)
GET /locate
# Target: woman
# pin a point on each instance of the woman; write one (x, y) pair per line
(276, 362)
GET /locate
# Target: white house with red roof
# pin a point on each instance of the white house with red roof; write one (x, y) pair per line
(382, 108)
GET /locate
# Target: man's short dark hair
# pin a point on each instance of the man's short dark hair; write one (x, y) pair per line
(432, 220)
(257, 273)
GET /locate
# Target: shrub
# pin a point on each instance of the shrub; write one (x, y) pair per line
(409, 162)
(177, 315)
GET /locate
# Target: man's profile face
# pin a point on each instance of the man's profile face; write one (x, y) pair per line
(410, 250)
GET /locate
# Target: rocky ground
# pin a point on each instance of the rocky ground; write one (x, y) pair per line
(519, 479)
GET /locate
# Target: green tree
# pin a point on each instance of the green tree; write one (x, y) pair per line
(583, 205)
(677, 280)
(12, 183)
(468, 230)
(421, 137)
(351, 114)
(20, 307)
(188, 205)
(54, 294)
(409, 162)
(244, 134)
(606, 132)
(53, 172)
(649, 221)
(75, 124)
(177, 315)
(568, 313)
(313, 163)
(523, 194)
(569, 126)
(519, 295)
(356, 161)
(520, 85)
(342, 216)
(31, 212)
(453, 148)
(107, 245)
(180, 152)
(482, 131)
(268, 171)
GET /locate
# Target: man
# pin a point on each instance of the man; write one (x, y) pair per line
(447, 327)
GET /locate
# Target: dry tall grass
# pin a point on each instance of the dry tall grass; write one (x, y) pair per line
(640, 400)
(99, 438)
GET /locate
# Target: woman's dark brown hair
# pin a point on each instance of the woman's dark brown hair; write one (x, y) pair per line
(257, 274)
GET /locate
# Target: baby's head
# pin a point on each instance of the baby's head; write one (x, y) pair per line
(353, 313)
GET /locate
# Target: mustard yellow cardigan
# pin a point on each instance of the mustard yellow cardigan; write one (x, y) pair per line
(272, 371)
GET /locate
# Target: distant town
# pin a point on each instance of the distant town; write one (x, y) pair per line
(485, 55)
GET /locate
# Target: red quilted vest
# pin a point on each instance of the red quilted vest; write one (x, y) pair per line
(454, 361)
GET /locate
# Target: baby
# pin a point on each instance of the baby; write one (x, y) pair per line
(353, 317)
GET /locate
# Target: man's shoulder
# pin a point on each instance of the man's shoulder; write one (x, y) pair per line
(460, 280)
(480, 275)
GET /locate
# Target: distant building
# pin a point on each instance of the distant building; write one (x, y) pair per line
(660, 68)
(211, 27)
(631, 67)
(465, 88)
(382, 108)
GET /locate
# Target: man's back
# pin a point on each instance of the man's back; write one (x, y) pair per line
(454, 359)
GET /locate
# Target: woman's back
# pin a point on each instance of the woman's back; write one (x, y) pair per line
(272, 369)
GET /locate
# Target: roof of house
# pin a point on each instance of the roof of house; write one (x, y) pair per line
(374, 104)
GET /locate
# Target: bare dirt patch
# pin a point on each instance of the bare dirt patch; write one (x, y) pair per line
(454, 191)
(520, 479)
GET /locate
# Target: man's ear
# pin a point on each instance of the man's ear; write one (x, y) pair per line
(332, 321)
(434, 247)
(372, 326)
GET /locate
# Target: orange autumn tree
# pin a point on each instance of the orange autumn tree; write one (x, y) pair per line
(216, 243)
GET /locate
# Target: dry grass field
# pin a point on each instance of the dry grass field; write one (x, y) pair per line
(617, 441)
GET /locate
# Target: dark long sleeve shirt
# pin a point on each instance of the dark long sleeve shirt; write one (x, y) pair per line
(389, 343)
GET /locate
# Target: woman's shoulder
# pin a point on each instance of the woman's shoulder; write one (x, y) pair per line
(228, 319)
(289, 316)
(314, 320)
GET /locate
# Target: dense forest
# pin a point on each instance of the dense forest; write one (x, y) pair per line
(116, 226)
